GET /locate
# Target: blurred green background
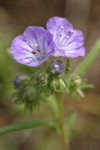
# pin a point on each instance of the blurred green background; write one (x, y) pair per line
(15, 16)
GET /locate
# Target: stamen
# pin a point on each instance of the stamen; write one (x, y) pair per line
(68, 36)
(36, 52)
(60, 33)
(62, 27)
(71, 31)
(29, 44)
(36, 45)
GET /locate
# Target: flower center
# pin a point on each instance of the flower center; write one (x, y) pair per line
(63, 36)
(35, 52)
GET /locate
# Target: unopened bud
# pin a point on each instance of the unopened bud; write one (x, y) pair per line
(17, 82)
(57, 67)
(42, 77)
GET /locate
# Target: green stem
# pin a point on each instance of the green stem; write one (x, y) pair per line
(60, 121)
(88, 59)
(24, 125)
(68, 65)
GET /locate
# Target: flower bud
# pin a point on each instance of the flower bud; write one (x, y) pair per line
(57, 67)
(42, 77)
(17, 82)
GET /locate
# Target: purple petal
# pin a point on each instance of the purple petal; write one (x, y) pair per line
(69, 42)
(75, 53)
(33, 47)
(73, 47)
(54, 23)
(57, 25)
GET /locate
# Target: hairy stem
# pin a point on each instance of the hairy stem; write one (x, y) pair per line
(60, 121)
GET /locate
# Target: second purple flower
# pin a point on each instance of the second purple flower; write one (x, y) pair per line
(69, 42)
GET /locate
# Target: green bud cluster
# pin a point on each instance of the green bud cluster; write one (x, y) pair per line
(54, 78)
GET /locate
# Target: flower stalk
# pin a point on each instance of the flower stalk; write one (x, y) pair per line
(60, 122)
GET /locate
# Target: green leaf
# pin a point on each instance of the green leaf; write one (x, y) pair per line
(88, 59)
(24, 125)
(70, 123)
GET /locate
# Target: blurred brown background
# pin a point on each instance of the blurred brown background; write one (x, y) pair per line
(15, 16)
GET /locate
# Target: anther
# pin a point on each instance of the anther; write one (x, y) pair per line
(67, 37)
(69, 34)
(36, 52)
(36, 45)
(71, 31)
(62, 27)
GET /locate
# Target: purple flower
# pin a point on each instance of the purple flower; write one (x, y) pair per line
(69, 42)
(33, 47)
